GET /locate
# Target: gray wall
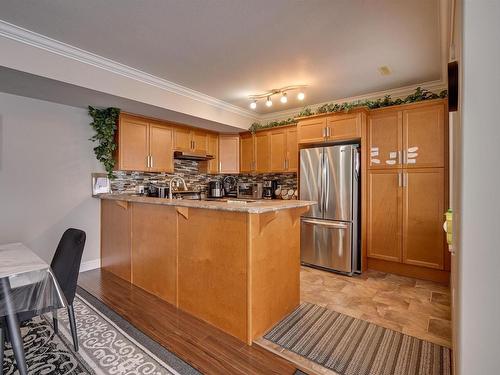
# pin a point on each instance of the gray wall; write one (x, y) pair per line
(45, 165)
(479, 257)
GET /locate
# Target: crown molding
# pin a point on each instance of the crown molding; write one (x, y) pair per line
(31, 38)
(399, 92)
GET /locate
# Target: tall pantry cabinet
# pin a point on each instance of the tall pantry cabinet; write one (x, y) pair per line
(407, 187)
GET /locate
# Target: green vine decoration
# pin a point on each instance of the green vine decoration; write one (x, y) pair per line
(419, 95)
(104, 125)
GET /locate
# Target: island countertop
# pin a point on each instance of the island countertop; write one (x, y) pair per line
(250, 206)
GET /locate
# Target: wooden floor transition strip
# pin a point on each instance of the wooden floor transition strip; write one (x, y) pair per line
(351, 346)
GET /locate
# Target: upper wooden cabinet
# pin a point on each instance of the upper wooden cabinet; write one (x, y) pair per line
(312, 130)
(262, 152)
(144, 145)
(385, 140)
(229, 153)
(247, 162)
(424, 136)
(283, 149)
(338, 127)
(408, 138)
(191, 140)
(213, 149)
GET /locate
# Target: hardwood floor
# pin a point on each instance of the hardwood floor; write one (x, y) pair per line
(204, 347)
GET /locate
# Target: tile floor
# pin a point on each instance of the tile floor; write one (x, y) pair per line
(415, 307)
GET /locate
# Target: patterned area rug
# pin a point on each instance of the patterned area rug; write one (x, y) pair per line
(108, 345)
(351, 346)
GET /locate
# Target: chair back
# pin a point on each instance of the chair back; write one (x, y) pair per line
(66, 261)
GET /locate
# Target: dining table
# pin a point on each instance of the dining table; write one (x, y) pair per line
(27, 285)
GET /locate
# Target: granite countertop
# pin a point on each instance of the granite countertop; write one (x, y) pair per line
(253, 207)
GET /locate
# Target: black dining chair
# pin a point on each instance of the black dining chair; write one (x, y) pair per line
(65, 266)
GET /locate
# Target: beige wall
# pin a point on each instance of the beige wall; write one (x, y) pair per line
(479, 205)
(45, 165)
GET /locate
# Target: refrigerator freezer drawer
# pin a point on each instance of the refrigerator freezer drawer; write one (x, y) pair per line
(326, 244)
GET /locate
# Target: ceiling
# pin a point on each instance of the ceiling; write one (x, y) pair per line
(230, 49)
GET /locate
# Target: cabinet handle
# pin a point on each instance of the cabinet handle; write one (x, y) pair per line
(220, 166)
(400, 179)
(405, 179)
(328, 131)
(399, 156)
(323, 132)
(151, 163)
(405, 157)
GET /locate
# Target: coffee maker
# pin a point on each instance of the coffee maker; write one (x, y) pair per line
(268, 189)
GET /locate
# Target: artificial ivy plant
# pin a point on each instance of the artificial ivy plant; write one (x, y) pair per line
(420, 94)
(104, 125)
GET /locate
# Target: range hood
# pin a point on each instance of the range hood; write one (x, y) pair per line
(192, 156)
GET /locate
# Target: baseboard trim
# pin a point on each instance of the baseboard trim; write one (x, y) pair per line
(410, 270)
(90, 265)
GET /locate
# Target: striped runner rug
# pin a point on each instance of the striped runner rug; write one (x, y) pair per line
(351, 346)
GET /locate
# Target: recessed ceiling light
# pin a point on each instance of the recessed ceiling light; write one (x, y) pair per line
(384, 70)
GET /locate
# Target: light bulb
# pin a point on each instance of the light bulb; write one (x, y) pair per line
(269, 103)
(283, 98)
(301, 95)
(253, 104)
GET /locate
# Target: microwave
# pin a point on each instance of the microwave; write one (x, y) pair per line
(249, 190)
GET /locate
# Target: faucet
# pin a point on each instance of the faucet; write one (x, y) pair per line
(178, 181)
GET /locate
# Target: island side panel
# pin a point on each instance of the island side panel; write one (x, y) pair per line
(212, 266)
(275, 267)
(154, 250)
(116, 237)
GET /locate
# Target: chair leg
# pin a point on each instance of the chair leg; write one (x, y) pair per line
(55, 322)
(72, 323)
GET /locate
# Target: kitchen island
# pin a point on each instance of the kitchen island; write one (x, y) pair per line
(233, 264)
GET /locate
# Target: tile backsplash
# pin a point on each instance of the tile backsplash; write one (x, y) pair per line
(188, 169)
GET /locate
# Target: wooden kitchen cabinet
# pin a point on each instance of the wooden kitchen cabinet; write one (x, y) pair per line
(160, 146)
(182, 139)
(385, 140)
(199, 139)
(116, 238)
(133, 144)
(213, 149)
(424, 136)
(311, 130)
(292, 150)
(385, 214)
(277, 140)
(144, 145)
(247, 163)
(262, 152)
(154, 252)
(423, 209)
(343, 127)
(229, 153)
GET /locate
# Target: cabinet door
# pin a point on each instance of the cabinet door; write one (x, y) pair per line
(424, 136)
(262, 152)
(200, 141)
(312, 130)
(385, 140)
(182, 139)
(133, 147)
(247, 153)
(161, 148)
(213, 149)
(116, 238)
(384, 214)
(423, 210)
(292, 151)
(229, 153)
(344, 127)
(277, 139)
(154, 252)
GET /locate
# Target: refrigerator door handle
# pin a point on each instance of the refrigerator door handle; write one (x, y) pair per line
(326, 179)
(331, 224)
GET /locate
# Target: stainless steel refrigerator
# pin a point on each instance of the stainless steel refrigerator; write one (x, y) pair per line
(330, 230)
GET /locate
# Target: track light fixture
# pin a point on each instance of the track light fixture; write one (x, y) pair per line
(283, 99)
